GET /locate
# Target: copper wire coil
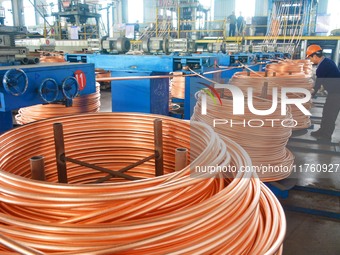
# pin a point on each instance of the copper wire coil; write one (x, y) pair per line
(288, 66)
(256, 81)
(307, 65)
(244, 80)
(81, 104)
(173, 213)
(266, 145)
(285, 67)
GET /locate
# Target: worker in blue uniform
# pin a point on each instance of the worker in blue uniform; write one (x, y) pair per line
(232, 24)
(327, 75)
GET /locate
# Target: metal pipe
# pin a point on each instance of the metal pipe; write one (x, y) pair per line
(180, 158)
(33, 61)
(60, 152)
(37, 168)
(24, 61)
(158, 136)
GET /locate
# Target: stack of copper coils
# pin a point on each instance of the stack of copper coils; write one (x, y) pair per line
(191, 211)
(81, 104)
(296, 66)
(274, 78)
(263, 137)
(307, 65)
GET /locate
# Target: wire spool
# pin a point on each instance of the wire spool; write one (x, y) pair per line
(178, 85)
(245, 80)
(264, 140)
(180, 212)
(81, 104)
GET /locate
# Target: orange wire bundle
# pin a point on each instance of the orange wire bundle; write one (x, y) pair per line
(81, 104)
(189, 211)
(307, 65)
(296, 66)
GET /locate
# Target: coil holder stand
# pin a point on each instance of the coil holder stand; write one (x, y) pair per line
(61, 157)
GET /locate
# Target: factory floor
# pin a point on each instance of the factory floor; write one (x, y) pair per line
(307, 234)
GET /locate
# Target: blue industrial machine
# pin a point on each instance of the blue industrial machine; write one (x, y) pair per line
(27, 85)
(148, 94)
(141, 82)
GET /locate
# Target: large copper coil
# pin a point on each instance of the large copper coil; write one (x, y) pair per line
(182, 212)
(264, 139)
(81, 104)
(177, 85)
(258, 80)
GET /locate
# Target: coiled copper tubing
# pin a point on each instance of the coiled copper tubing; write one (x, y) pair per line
(263, 139)
(256, 81)
(182, 212)
(81, 104)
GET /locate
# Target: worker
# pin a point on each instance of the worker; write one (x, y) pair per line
(240, 24)
(328, 75)
(232, 24)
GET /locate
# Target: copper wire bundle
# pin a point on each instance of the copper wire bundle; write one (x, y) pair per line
(264, 140)
(285, 67)
(178, 85)
(81, 104)
(256, 81)
(307, 65)
(183, 212)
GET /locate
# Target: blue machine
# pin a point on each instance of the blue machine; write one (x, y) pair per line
(148, 95)
(152, 95)
(28, 85)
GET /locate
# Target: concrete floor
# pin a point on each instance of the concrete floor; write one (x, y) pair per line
(306, 234)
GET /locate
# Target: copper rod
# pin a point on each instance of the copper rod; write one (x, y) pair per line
(60, 152)
(37, 168)
(158, 138)
(180, 158)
